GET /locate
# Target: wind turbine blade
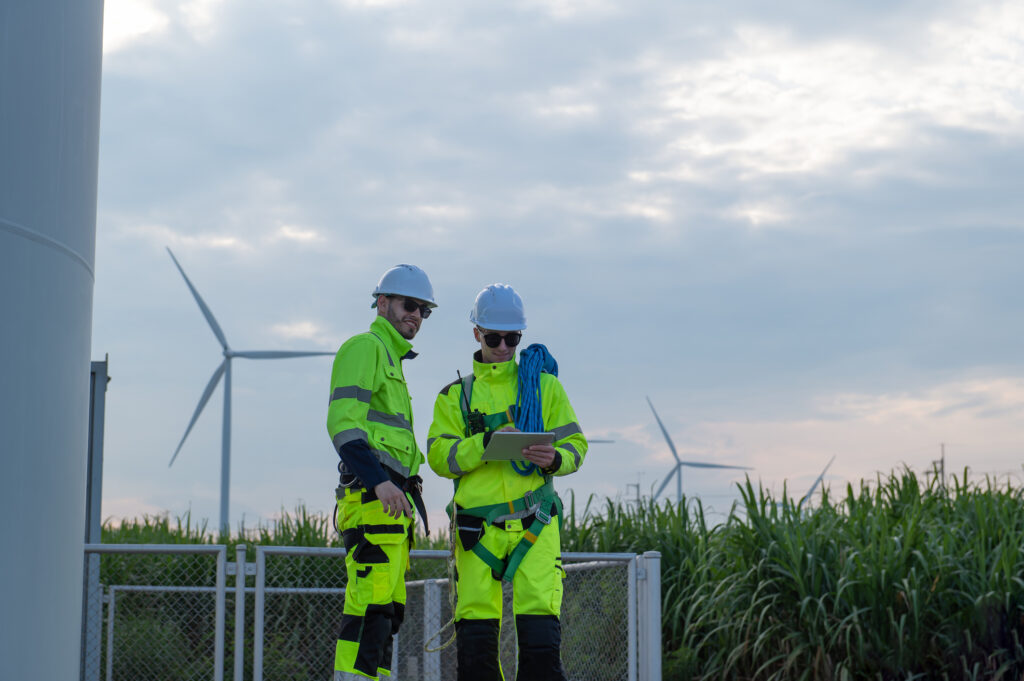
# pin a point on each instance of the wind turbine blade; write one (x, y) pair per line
(816, 483)
(590, 442)
(702, 464)
(202, 305)
(664, 483)
(276, 354)
(671, 445)
(214, 380)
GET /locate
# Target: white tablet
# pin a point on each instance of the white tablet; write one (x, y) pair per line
(506, 445)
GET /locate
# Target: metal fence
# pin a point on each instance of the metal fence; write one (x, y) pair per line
(184, 612)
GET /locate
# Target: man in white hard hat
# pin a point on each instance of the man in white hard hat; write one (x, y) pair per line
(506, 513)
(369, 419)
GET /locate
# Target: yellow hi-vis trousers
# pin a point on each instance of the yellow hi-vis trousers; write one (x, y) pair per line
(536, 603)
(376, 560)
(536, 585)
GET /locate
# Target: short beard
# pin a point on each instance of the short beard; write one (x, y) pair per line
(396, 321)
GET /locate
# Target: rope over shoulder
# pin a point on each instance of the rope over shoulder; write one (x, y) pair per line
(534, 360)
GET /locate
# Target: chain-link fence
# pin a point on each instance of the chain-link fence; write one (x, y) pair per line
(161, 615)
(185, 612)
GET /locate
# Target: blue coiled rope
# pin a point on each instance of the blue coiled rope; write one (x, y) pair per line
(529, 416)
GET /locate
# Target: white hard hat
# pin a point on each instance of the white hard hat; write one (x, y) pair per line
(405, 280)
(498, 307)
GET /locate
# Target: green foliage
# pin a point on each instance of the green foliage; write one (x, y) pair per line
(898, 580)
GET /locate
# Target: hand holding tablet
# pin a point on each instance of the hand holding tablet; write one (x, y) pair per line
(508, 445)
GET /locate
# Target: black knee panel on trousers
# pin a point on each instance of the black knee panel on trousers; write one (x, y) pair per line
(373, 632)
(540, 641)
(477, 642)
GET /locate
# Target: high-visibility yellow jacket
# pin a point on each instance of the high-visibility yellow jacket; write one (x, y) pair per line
(454, 454)
(370, 400)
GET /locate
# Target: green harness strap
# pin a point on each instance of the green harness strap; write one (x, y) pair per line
(544, 497)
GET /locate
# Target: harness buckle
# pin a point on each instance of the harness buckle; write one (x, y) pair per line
(528, 499)
(543, 517)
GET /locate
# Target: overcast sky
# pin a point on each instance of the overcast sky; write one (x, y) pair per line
(793, 225)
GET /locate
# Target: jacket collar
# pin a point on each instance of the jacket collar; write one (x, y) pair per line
(400, 347)
(495, 370)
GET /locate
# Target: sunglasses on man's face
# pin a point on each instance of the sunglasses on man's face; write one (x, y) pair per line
(493, 340)
(411, 305)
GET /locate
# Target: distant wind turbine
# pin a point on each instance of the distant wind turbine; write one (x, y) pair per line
(677, 471)
(224, 370)
(815, 485)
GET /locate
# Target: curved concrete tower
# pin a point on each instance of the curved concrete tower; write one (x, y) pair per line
(50, 54)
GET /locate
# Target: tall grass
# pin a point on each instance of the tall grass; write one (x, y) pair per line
(897, 580)
(298, 528)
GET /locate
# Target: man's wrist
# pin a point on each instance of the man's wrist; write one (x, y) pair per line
(556, 463)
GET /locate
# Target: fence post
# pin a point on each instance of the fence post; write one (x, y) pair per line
(649, 607)
(111, 605)
(239, 610)
(92, 634)
(632, 596)
(218, 637)
(257, 630)
(431, 624)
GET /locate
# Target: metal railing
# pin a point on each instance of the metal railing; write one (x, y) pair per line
(167, 608)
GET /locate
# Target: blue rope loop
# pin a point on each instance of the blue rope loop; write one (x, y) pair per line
(529, 417)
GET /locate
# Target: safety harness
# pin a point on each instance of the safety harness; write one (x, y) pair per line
(541, 504)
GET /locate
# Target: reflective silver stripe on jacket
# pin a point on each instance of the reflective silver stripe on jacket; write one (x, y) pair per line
(453, 465)
(352, 392)
(562, 432)
(396, 420)
(350, 435)
(575, 454)
(432, 440)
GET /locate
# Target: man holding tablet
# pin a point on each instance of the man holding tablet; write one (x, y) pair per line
(505, 511)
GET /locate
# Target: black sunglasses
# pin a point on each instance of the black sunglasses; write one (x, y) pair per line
(411, 305)
(493, 340)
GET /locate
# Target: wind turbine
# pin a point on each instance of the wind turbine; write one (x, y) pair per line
(678, 469)
(224, 370)
(815, 485)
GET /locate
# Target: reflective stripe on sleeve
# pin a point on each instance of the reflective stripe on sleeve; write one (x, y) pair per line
(453, 465)
(562, 432)
(352, 392)
(575, 454)
(396, 420)
(346, 436)
(446, 436)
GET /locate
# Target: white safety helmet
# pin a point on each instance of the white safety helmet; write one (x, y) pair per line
(405, 280)
(499, 308)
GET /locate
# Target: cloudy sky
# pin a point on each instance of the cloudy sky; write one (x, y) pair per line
(793, 225)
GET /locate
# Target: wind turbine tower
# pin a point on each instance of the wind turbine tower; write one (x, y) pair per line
(677, 470)
(224, 370)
